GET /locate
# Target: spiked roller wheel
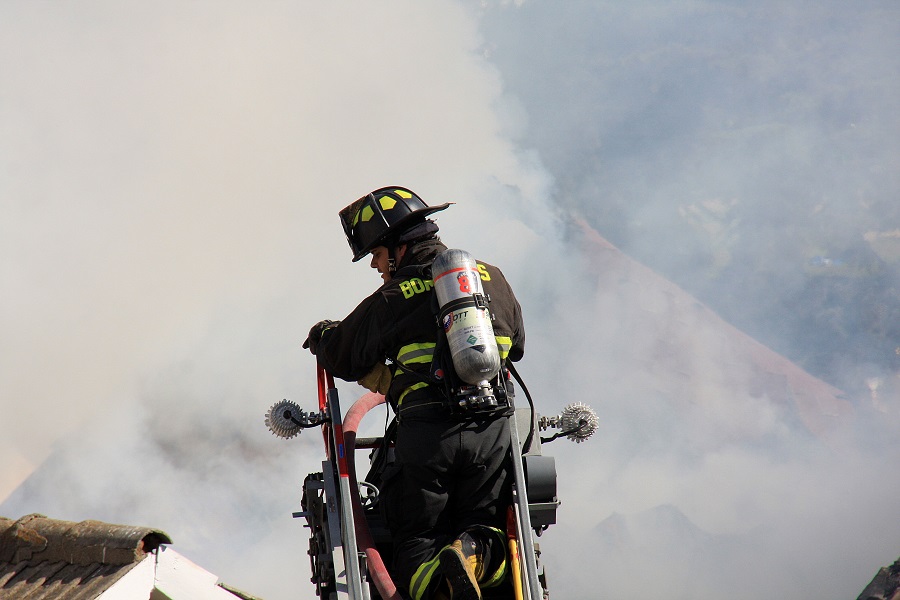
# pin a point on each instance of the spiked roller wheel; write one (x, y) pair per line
(581, 418)
(283, 419)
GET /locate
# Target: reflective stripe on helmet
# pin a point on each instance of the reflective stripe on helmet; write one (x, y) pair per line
(367, 212)
(382, 215)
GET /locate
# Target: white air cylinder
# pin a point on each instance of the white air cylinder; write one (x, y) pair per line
(465, 317)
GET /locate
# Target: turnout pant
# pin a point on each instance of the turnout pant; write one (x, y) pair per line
(448, 475)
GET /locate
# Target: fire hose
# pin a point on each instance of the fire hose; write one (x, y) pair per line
(379, 573)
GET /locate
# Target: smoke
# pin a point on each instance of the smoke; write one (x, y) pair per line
(750, 155)
(171, 177)
(730, 148)
(171, 180)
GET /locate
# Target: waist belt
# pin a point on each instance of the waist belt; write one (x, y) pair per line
(432, 409)
(429, 409)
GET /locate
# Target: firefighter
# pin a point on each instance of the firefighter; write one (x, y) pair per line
(446, 493)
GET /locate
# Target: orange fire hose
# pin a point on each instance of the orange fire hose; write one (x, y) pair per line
(377, 569)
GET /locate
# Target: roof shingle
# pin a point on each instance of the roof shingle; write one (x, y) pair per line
(48, 558)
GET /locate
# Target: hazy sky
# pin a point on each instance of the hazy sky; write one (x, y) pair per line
(170, 176)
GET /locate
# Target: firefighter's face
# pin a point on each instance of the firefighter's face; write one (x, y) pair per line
(381, 260)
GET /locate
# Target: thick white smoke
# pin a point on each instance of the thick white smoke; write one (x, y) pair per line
(170, 186)
(171, 176)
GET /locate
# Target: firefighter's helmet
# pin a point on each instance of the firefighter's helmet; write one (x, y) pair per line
(381, 217)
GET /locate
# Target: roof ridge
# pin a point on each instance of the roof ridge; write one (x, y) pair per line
(36, 538)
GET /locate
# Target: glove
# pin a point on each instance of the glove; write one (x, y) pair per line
(378, 379)
(315, 334)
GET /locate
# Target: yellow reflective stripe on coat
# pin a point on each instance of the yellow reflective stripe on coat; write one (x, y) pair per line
(504, 345)
(412, 388)
(416, 353)
(410, 354)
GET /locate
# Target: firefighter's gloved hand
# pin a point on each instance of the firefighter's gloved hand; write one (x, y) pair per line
(315, 334)
(378, 380)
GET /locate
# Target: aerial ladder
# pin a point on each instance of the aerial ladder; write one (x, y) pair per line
(349, 541)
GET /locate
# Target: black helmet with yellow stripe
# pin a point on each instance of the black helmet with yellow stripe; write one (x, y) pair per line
(381, 217)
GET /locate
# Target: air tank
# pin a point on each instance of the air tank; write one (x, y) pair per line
(465, 317)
